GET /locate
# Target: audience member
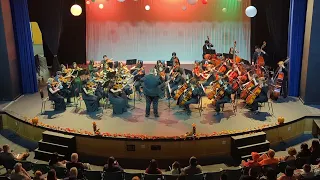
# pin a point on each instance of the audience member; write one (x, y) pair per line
(252, 163)
(288, 175)
(268, 159)
(19, 173)
(304, 152)
(54, 161)
(193, 167)
(38, 176)
(253, 174)
(78, 165)
(135, 178)
(270, 174)
(315, 151)
(306, 172)
(153, 168)
(112, 166)
(73, 174)
(52, 175)
(176, 169)
(291, 154)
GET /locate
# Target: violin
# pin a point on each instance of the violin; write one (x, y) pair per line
(260, 60)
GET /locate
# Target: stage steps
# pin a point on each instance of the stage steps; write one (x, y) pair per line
(243, 145)
(52, 142)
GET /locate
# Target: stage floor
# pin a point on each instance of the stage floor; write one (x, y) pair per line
(172, 121)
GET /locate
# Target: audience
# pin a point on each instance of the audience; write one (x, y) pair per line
(268, 159)
(135, 178)
(176, 169)
(6, 155)
(315, 151)
(291, 155)
(52, 175)
(54, 161)
(19, 173)
(253, 174)
(193, 167)
(78, 165)
(304, 152)
(270, 174)
(288, 175)
(38, 176)
(73, 174)
(112, 166)
(306, 172)
(153, 168)
(252, 163)
(223, 176)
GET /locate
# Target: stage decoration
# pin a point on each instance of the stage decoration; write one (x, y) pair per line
(121, 1)
(76, 10)
(194, 129)
(101, 6)
(251, 11)
(224, 10)
(184, 8)
(280, 120)
(96, 131)
(35, 120)
(147, 7)
(204, 1)
(192, 2)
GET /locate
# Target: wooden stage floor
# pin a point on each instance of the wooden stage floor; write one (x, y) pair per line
(172, 121)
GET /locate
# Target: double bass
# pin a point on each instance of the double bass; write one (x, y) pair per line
(260, 60)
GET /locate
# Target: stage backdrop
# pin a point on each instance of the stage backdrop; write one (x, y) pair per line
(125, 30)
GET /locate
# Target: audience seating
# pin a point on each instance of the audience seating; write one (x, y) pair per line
(93, 174)
(195, 177)
(114, 175)
(129, 176)
(233, 173)
(27, 165)
(212, 175)
(61, 172)
(152, 176)
(44, 168)
(170, 177)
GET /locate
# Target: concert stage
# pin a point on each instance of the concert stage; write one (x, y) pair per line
(173, 121)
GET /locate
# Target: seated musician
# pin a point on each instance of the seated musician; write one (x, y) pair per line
(122, 68)
(53, 93)
(207, 48)
(118, 99)
(106, 59)
(63, 86)
(138, 72)
(194, 99)
(89, 97)
(197, 70)
(257, 52)
(159, 67)
(174, 83)
(227, 94)
(262, 97)
(209, 76)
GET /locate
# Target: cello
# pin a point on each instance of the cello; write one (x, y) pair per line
(245, 92)
(253, 95)
(260, 60)
(277, 85)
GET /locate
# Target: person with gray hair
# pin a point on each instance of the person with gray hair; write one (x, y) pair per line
(152, 89)
(19, 173)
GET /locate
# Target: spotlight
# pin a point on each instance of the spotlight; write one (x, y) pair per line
(101, 6)
(147, 7)
(76, 10)
(88, 2)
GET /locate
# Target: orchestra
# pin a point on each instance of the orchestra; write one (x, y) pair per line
(221, 78)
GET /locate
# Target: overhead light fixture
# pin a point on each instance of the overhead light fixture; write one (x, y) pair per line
(76, 10)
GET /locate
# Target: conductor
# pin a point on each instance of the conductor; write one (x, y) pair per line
(152, 86)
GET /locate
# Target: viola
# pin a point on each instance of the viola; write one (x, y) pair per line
(253, 95)
(180, 91)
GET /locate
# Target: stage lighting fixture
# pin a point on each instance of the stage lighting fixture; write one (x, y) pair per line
(88, 2)
(76, 10)
(147, 7)
(184, 8)
(121, 0)
(224, 9)
(101, 6)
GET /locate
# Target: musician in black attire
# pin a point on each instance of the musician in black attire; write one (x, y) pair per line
(257, 52)
(152, 89)
(207, 48)
(196, 92)
(64, 87)
(91, 101)
(262, 97)
(59, 104)
(138, 72)
(227, 94)
(175, 83)
(118, 99)
(174, 56)
(284, 86)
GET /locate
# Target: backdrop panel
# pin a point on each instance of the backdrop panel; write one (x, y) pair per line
(126, 30)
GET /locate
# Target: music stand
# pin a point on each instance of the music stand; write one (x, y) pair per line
(131, 61)
(169, 63)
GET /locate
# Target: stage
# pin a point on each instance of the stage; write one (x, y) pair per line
(173, 121)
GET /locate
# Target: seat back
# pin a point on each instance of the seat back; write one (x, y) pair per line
(61, 172)
(195, 177)
(233, 173)
(213, 175)
(27, 165)
(93, 174)
(300, 161)
(44, 168)
(153, 176)
(113, 175)
(170, 177)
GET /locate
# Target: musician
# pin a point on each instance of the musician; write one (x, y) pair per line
(138, 73)
(89, 97)
(118, 99)
(159, 67)
(175, 82)
(173, 57)
(106, 59)
(257, 52)
(64, 88)
(197, 70)
(207, 48)
(210, 77)
(284, 86)
(227, 94)
(152, 86)
(53, 93)
(262, 97)
(196, 92)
